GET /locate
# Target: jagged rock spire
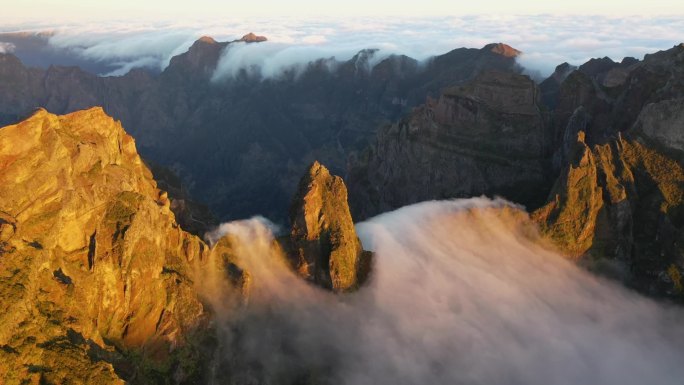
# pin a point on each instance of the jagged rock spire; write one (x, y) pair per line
(325, 247)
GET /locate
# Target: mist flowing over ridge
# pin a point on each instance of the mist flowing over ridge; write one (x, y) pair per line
(463, 293)
(115, 47)
(362, 193)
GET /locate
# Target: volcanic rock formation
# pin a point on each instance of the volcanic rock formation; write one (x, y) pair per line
(485, 137)
(96, 278)
(323, 244)
(617, 204)
(608, 133)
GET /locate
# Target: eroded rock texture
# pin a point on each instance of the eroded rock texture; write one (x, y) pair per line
(323, 242)
(485, 137)
(617, 204)
(96, 278)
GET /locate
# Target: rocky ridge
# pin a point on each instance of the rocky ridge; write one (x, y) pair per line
(98, 282)
(485, 137)
(617, 202)
(97, 277)
(594, 153)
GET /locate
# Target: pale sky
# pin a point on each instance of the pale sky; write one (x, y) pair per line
(78, 10)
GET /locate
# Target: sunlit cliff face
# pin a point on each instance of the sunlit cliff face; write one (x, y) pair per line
(462, 292)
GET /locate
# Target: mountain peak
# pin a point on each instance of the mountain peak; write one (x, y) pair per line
(562, 71)
(252, 38)
(502, 49)
(79, 205)
(596, 66)
(204, 43)
(206, 40)
(200, 58)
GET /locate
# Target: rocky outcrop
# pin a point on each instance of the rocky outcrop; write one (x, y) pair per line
(570, 216)
(503, 50)
(323, 245)
(97, 279)
(485, 137)
(616, 205)
(618, 208)
(252, 38)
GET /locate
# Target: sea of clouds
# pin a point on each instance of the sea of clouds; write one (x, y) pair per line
(461, 292)
(546, 40)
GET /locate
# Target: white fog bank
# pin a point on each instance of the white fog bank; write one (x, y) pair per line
(461, 293)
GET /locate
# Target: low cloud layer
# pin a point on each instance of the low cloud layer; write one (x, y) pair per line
(461, 293)
(546, 40)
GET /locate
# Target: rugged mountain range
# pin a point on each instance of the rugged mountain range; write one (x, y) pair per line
(100, 284)
(600, 144)
(617, 203)
(595, 151)
(239, 144)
